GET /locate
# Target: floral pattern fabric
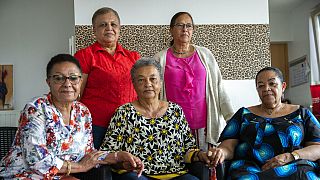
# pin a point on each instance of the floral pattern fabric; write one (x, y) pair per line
(261, 138)
(43, 141)
(161, 143)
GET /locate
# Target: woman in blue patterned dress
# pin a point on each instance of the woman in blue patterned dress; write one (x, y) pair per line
(155, 131)
(273, 139)
(54, 135)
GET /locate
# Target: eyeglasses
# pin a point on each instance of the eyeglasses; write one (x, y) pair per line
(61, 79)
(189, 26)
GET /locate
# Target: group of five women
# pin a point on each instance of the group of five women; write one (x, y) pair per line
(153, 138)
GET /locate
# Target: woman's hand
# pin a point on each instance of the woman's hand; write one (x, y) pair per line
(216, 155)
(203, 156)
(130, 162)
(276, 161)
(90, 160)
(85, 164)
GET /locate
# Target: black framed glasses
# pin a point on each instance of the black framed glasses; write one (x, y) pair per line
(61, 79)
(188, 26)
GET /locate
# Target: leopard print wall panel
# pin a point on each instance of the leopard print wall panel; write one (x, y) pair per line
(241, 50)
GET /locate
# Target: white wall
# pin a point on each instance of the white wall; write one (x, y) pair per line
(293, 27)
(242, 93)
(160, 12)
(31, 32)
(280, 27)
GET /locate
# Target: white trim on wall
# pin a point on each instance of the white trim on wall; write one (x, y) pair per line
(155, 12)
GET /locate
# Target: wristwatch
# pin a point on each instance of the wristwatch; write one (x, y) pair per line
(295, 155)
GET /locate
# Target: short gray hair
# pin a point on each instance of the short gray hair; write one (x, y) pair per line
(146, 61)
(102, 11)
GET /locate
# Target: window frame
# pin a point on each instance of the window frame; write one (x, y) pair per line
(315, 19)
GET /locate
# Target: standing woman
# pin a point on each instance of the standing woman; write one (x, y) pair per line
(193, 80)
(106, 72)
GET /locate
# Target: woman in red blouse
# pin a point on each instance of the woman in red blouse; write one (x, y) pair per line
(106, 72)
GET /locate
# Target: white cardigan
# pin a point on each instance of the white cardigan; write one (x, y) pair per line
(219, 107)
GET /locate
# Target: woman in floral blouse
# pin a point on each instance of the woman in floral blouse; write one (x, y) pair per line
(155, 131)
(54, 135)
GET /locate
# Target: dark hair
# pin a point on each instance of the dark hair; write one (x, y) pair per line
(61, 58)
(274, 69)
(175, 17)
(147, 61)
(103, 11)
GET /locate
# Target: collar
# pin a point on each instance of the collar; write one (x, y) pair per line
(97, 47)
(50, 102)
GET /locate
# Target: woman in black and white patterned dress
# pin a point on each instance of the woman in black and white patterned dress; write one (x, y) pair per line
(155, 131)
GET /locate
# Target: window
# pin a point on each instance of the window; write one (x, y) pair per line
(315, 44)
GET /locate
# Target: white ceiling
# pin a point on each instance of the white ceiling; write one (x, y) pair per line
(283, 5)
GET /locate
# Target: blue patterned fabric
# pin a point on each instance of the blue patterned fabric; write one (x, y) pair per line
(261, 139)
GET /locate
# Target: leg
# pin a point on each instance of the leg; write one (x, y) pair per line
(2, 100)
(186, 177)
(128, 176)
(98, 135)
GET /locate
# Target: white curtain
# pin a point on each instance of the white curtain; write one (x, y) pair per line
(314, 28)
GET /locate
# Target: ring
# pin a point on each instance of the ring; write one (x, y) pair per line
(274, 164)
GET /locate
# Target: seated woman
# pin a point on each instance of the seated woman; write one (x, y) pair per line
(54, 137)
(155, 131)
(272, 140)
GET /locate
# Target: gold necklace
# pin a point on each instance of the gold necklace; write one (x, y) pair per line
(270, 111)
(175, 51)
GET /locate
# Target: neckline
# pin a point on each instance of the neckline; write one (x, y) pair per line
(156, 111)
(274, 110)
(179, 58)
(161, 116)
(180, 53)
(286, 115)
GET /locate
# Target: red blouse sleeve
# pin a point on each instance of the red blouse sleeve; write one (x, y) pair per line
(84, 59)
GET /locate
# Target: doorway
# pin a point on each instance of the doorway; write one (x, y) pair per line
(279, 59)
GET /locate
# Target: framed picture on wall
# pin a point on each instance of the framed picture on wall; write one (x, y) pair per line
(6, 87)
(299, 71)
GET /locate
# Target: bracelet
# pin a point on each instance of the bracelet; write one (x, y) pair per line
(68, 168)
(295, 155)
(198, 155)
(116, 156)
(194, 155)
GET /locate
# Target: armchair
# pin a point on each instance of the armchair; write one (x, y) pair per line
(7, 135)
(222, 170)
(199, 169)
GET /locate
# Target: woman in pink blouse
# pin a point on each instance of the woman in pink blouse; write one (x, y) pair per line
(193, 80)
(54, 137)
